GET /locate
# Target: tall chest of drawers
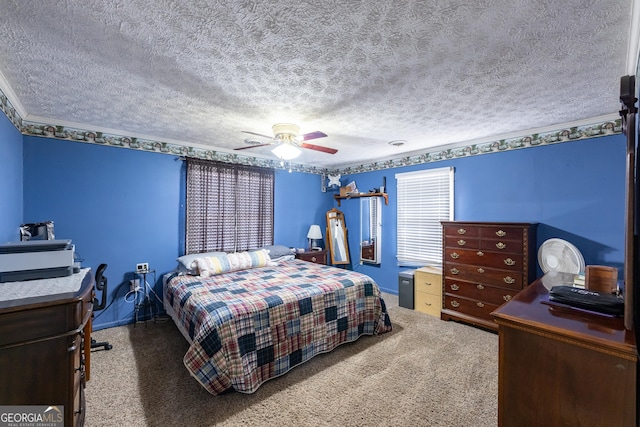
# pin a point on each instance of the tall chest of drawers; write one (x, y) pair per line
(484, 265)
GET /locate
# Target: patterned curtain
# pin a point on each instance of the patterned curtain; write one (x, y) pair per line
(229, 207)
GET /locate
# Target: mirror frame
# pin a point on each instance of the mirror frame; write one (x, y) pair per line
(337, 232)
(370, 234)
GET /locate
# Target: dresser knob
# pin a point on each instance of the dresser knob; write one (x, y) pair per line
(454, 271)
(479, 304)
(455, 255)
(507, 297)
(454, 287)
(461, 231)
(313, 259)
(501, 233)
(480, 253)
(455, 304)
(509, 261)
(509, 280)
(500, 245)
(480, 270)
(481, 287)
(462, 242)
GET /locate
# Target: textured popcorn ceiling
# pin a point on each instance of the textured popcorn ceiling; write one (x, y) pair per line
(198, 72)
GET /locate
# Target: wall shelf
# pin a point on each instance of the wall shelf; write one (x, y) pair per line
(356, 196)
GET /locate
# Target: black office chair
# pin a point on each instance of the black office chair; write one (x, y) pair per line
(101, 285)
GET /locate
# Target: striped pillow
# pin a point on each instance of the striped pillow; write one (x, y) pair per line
(223, 263)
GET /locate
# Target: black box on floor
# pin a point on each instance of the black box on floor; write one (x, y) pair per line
(405, 288)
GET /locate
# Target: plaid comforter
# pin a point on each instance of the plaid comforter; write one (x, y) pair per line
(252, 325)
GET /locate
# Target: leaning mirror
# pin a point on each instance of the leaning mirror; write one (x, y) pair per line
(337, 237)
(370, 223)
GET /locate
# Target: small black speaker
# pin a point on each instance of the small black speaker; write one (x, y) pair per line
(627, 90)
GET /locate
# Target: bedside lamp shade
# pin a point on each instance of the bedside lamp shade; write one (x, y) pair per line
(314, 234)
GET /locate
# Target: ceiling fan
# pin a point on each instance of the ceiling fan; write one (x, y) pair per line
(287, 140)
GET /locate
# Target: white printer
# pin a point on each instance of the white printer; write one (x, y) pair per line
(36, 259)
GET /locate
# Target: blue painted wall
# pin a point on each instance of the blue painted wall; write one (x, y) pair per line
(11, 190)
(574, 190)
(124, 206)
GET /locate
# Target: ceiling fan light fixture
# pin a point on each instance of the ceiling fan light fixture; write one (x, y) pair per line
(286, 151)
(285, 131)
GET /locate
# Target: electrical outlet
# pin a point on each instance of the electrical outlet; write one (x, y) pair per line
(134, 285)
(142, 267)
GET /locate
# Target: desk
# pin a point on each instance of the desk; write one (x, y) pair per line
(561, 366)
(45, 339)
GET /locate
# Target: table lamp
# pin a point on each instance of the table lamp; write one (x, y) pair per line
(313, 235)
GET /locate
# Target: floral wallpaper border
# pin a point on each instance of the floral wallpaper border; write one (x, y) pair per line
(73, 134)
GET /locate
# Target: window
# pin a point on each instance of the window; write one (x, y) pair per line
(424, 199)
(228, 207)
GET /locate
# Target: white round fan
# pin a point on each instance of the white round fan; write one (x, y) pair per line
(560, 255)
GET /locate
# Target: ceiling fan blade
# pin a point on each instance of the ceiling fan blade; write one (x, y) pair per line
(252, 146)
(312, 135)
(319, 148)
(258, 134)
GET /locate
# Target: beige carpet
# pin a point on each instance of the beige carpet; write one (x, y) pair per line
(425, 373)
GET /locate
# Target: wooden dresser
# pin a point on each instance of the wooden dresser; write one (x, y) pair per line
(484, 265)
(427, 283)
(45, 343)
(559, 366)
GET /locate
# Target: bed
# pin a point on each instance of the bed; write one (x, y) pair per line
(246, 325)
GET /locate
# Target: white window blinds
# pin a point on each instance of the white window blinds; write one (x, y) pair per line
(424, 199)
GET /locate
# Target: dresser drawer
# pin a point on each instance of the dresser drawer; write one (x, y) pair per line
(503, 261)
(462, 242)
(428, 303)
(485, 275)
(478, 309)
(478, 291)
(462, 230)
(501, 245)
(428, 280)
(502, 232)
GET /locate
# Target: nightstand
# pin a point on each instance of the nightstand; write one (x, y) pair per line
(319, 257)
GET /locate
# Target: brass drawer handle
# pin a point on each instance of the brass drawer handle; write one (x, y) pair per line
(480, 253)
(454, 287)
(480, 270)
(479, 304)
(427, 304)
(313, 259)
(509, 280)
(455, 255)
(462, 242)
(507, 297)
(455, 271)
(455, 304)
(461, 231)
(509, 261)
(427, 283)
(501, 233)
(481, 287)
(500, 245)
